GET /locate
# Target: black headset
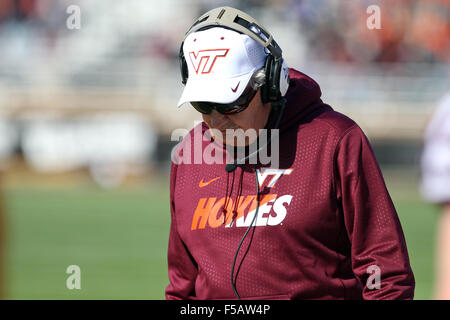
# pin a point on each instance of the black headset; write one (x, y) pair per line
(230, 18)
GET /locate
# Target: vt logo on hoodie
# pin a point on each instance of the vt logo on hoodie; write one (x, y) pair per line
(213, 212)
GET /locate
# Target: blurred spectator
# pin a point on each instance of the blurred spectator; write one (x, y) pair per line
(436, 189)
(411, 30)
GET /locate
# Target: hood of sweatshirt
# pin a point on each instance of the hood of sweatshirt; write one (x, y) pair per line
(303, 99)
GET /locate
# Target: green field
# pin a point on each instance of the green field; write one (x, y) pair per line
(119, 239)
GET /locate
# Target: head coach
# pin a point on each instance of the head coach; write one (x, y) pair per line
(319, 225)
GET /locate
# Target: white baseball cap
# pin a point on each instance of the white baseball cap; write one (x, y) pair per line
(220, 64)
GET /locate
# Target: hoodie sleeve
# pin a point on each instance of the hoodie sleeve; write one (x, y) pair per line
(182, 267)
(378, 247)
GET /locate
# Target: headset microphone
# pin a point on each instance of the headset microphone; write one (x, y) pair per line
(230, 167)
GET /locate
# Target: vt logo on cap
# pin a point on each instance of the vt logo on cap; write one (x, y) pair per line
(220, 65)
(209, 56)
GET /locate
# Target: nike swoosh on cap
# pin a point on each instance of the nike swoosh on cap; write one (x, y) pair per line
(202, 184)
(235, 89)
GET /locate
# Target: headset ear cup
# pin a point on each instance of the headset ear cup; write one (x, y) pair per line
(271, 90)
(183, 66)
(265, 88)
(275, 80)
(283, 78)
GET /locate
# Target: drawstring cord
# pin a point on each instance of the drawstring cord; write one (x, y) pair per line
(236, 200)
(234, 279)
(227, 197)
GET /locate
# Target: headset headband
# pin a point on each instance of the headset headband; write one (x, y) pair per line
(239, 21)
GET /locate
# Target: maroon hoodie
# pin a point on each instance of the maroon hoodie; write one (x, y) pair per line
(326, 227)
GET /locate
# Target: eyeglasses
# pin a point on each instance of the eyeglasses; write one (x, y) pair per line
(237, 106)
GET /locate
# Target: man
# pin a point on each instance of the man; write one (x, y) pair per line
(435, 189)
(319, 225)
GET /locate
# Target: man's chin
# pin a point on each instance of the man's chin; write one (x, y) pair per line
(232, 139)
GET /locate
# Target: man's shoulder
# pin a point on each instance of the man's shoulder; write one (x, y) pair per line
(335, 122)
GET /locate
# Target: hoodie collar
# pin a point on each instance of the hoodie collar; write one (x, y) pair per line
(303, 99)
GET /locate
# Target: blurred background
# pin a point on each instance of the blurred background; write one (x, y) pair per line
(87, 112)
